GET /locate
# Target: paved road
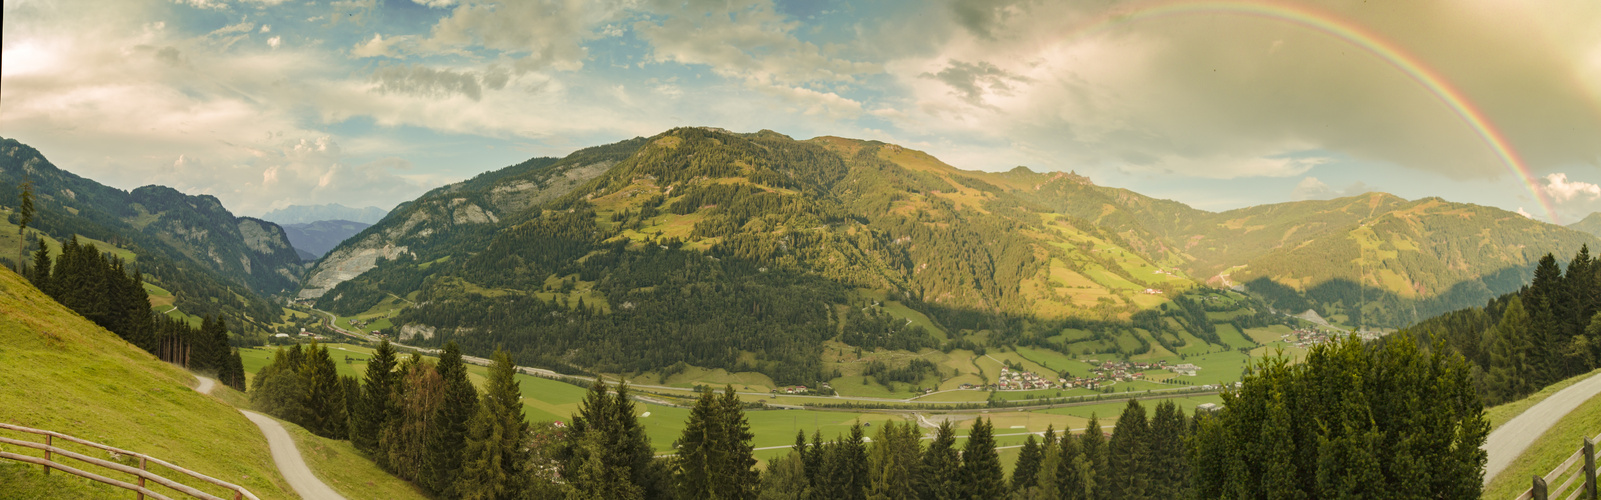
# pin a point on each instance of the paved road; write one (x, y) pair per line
(284, 454)
(1509, 441)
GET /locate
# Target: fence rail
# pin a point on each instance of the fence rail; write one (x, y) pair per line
(1582, 479)
(50, 450)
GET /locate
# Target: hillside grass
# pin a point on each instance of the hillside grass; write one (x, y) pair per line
(1547, 452)
(347, 471)
(65, 374)
(1500, 414)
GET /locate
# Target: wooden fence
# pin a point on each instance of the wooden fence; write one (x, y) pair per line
(48, 446)
(1581, 480)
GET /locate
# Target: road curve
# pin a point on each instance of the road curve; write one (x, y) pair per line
(284, 454)
(1512, 438)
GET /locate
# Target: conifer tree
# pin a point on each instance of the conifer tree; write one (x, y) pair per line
(942, 465)
(1071, 469)
(785, 478)
(695, 464)
(894, 462)
(606, 444)
(377, 401)
(1094, 473)
(447, 433)
(1028, 464)
(24, 217)
(494, 458)
(323, 395)
(1127, 455)
(40, 274)
(1508, 378)
(1169, 458)
(737, 477)
(982, 476)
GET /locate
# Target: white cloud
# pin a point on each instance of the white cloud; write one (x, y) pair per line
(379, 46)
(1562, 190)
(1525, 213)
(743, 39)
(274, 42)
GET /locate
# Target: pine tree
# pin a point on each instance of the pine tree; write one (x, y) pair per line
(494, 459)
(606, 444)
(1279, 474)
(1508, 377)
(1093, 475)
(40, 274)
(785, 478)
(695, 464)
(1070, 469)
(377, 401)
(894, 462)
(737, 477)
(323, 395)
(1127, 455)
(447, 433)
(24, 217)
(982, 476)
(1028, 464)
(1169, 459)
(942, 465)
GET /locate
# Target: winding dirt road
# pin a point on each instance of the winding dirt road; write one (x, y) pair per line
(290, 464)
(1515, 436)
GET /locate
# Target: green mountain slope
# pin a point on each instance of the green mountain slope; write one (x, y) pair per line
(749, 252)
(215, 263)
(64, 373)
(1589, 224)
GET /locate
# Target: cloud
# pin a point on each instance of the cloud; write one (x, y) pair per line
(1524, 213)
(746, 40)
(535, 35)
(425, 81)
(1311, 188)
(378, 46)
(1219, 84)
(1562, 190)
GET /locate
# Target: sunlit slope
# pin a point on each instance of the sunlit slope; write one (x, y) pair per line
(63, 373)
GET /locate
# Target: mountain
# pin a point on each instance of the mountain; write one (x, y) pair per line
(312, 240)
(214, 262)
(750, 252)
(307, 214)
(1589, 224)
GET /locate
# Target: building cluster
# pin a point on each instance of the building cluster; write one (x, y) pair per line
(1021, 380)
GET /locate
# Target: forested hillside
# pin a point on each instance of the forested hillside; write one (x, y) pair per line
(748, 251)
(212, 262)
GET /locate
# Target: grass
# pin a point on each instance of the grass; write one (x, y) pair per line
(1549, 451)
(65, 374)
(1500, 414)
(28, 482)
(347, 471)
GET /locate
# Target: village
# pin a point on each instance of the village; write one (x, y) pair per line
(1305, 338)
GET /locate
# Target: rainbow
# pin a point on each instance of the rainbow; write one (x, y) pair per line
(1351, 33)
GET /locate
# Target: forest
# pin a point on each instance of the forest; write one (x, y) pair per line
(1331, 427)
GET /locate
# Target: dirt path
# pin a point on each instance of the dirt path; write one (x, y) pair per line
(1509, 441)
(290, 464)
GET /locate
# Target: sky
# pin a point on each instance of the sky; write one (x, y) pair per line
(1217, 104)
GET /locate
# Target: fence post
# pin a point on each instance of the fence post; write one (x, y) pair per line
(1589, 469)
(1538, 490)
(141, 478)
(48, 440)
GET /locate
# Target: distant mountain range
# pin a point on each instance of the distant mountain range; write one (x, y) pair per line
(1590, 224)
(312, 240)
(722, 250)
(306, 214)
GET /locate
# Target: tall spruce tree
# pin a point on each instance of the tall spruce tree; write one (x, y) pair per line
(323, 395)
(942, 466)
(1127, 455)
(1508, 377)
(494, 457)
(24, 217)
(606, 452)
(447, 433)
(1071, 469)
(736, 468)
(1169, 457)
(40, 274)
(377, 401)
(694, 466)
(1093, 475)
(982, 476)
(1028, 464)
(895, 462)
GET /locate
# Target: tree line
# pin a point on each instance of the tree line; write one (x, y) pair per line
(1523, 341)
(101, 288)
(1387, 420)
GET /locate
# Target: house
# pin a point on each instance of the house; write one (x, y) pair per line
(1206, 407)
